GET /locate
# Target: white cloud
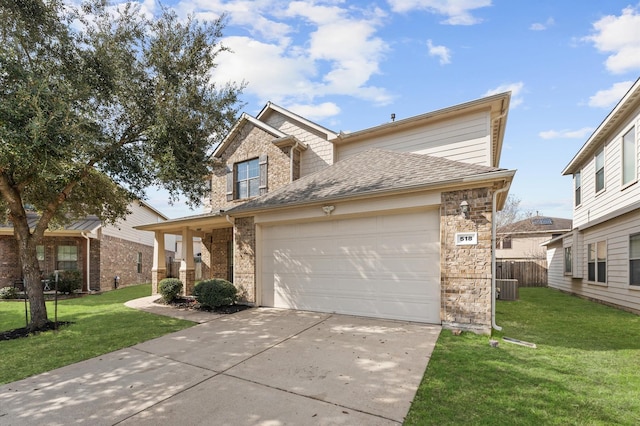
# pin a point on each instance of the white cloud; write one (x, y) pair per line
(619, 36)
(539, 26)
(441, 52)
(609, 97)
(566, 134)
(516, 90)
(458, 12)
(316, 112)
(297, 52)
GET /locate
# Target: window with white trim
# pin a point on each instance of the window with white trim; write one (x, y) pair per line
(139, 263)
(629, 157)
(600, 170)
(577, 181)
(568, 261)
(40, 253)
(248, 179)
(634, 260)
(597, 262)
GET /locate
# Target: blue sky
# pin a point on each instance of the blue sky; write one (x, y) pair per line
(348, 65)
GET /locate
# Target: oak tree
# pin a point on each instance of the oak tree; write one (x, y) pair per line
(97, 104)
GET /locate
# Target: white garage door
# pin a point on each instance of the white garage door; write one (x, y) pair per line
(382, 266)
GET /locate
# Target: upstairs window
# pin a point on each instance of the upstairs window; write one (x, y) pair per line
(577, 180)
(597, 262)
(629, 156)
(600, 170)
(634, 260)
(247, 179)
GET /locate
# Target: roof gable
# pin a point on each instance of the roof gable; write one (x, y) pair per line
(372, 172)
(244, 120)
(629, 102)
(271, 107)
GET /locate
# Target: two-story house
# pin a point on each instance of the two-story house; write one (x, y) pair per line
(106, 255)
(600, 258)
(394, 221)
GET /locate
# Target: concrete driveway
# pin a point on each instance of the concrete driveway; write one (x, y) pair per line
(255, 367)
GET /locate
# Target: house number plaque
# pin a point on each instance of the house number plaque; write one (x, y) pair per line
(466, 238)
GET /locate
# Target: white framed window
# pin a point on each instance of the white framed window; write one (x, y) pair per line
(634, 260)
(568, 262)
(139, 263)
(599, 160)
(629, 157)
(248, 179)
(577, 182)
(597, 262)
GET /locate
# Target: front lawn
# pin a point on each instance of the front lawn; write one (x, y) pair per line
(584, 371)
(101, 324)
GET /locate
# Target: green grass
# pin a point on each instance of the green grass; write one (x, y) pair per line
(101, 324)
(585, 370)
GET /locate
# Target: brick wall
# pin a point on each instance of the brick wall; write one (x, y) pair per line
(120, 257)
(9, 262)
(244, 258)
(466, 269)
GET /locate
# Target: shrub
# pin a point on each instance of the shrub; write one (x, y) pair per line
(215, 293)
(170, 288)
(8, 293)
(68, 281)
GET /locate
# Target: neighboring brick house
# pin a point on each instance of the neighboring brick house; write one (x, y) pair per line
(394, 221)
(100, 252)
(600, 258)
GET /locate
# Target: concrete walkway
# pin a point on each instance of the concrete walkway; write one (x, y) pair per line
(256, 367)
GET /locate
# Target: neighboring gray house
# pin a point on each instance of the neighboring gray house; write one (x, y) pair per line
(600, 258)
(101, 252)
(393, 221)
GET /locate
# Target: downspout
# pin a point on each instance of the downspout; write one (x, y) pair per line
(293, 150)
(88, 261)
(493, 256)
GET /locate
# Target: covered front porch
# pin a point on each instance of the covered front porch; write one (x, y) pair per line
(216, 234)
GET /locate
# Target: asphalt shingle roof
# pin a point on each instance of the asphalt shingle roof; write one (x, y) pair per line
(370, 171)
(537, 224)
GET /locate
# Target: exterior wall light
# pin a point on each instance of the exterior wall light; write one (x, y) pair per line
(464, 209)
(328, 209)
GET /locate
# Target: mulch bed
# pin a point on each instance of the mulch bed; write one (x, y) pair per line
(191, 303)
(24, 331)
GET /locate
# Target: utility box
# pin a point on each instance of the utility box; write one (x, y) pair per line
(508, 289)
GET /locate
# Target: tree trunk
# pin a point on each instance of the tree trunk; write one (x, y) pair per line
(32, 279)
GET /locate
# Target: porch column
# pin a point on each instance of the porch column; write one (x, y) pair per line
(187, 265)
(159, 268)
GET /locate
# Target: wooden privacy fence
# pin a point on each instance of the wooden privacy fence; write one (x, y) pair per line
(529, 273)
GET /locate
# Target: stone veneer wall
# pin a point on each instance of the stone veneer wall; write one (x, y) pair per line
(466, 269)
(244, 259)
(215, 254)
(250, 143)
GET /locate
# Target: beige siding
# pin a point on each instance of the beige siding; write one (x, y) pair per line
(140, 215)
(524, 247)
(465, 139)
(617, 290)
(614, 196)
(320, 151)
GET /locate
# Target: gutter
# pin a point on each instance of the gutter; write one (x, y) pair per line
(493, 255)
